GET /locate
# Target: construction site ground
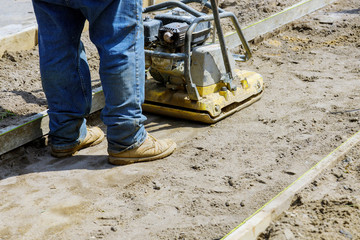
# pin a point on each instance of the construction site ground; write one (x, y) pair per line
(220, 174)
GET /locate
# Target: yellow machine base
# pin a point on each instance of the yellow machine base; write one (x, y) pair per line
(215, 102)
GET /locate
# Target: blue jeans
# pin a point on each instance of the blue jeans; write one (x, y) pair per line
(115, 27)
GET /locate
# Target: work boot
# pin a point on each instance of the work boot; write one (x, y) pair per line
(151, 149)
(93, 137)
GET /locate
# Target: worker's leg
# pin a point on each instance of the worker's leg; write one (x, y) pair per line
(64, 71)
(116, 30)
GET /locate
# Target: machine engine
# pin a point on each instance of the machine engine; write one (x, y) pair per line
(166, 32)
(192, 77)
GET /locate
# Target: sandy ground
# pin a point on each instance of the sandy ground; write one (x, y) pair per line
(328, 209)
(221, 173)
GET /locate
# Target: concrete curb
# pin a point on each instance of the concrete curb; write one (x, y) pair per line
(23, 40)
(261, 219)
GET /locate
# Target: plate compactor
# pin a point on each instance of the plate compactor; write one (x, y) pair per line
(191, 77)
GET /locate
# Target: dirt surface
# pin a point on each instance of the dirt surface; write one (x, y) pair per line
(220, 174)
(328, 209)
(21, 92)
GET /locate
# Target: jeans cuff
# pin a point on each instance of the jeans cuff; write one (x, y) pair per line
(124, 148)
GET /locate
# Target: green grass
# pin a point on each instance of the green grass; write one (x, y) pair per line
(5, 113)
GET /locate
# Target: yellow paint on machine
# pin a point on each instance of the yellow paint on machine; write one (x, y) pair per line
(214, 105)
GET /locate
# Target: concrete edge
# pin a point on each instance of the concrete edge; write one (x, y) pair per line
(23, 40)
(277, 20)
(261, 219)
(37, 126)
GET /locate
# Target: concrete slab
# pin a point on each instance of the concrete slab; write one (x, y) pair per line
(15, 16)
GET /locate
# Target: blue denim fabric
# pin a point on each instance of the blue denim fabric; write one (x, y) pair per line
(115, 28)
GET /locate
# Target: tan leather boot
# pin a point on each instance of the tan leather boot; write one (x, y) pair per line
(151, 149)
(93, 137)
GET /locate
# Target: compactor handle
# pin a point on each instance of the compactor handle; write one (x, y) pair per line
(215, 10)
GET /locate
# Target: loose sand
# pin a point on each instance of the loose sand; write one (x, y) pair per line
(220, 174)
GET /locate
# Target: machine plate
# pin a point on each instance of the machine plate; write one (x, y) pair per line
(214, 104)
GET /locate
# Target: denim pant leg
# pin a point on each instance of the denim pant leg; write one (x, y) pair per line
(64, 71)
(117, 32)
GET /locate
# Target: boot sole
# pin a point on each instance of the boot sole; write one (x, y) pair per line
(126, 161)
